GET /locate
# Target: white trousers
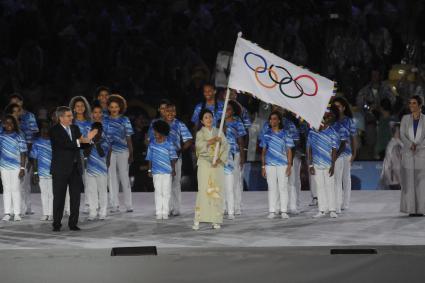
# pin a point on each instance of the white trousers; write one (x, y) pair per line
(295, 185)
(277, 182)
(46, 194)
(118, 174)
(162, 185)
(313, 188)
(325, 186)
(238, 184)
(176, 189)
(11, 191)
(97, 194)
(229, 197)
(343, 181)
(26, 190)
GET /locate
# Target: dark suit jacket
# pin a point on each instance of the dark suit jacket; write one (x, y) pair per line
(64, 150)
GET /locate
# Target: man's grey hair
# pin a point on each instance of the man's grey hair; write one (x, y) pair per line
(60, 111)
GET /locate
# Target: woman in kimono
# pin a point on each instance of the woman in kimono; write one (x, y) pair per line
(412, 134)
(209, 199)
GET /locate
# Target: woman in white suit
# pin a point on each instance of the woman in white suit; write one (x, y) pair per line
(412, 134)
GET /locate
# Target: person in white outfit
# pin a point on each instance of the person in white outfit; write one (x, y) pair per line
(182, 140)
(118, 131)
(321, 148)
(41, 157)
(276, 160)
(13, 151)
(162, 159)
(98, 155)
(347, 129)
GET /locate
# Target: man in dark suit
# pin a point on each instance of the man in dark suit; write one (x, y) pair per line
(66, 167)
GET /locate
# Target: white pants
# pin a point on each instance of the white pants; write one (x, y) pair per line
(229, 196)
(162, 185)
(118, 174)
(313, 188)
(11, 191)
(238, 184)
(277, 182)
(176, 189)
(325, 186)
(295, 185)
(46, 194)
(343, 181)
(97, 194)
(26, 190)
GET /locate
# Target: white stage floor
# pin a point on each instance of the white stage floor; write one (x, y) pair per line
(373, 219)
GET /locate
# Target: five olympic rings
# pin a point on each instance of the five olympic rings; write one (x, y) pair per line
(275, 81)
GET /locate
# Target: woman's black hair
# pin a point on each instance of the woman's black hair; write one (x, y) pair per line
(14, 121)
(418, 99)
(8, 110)
(96, 104)
(335, 111)
(344, 102)
(161, 127)
(204, 101)
(99, 90)
(203, 112)
(279, 115)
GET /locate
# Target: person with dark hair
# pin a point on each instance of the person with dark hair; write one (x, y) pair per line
(211, 103)
(28, 126)
(322, 146)
(162, 112)
(102, 94)
(276, 159)
(41, 159)
(15, 110)
(66, 167)
(98, 155)
(209, 198)
(118, 130)
(346, 128)
(412, 134)
(235, 133)
(13, 151)
(162, 158)
(96, 113)
(82, 118)
(182, 140)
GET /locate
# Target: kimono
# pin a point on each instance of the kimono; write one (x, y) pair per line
(412, 166)
(209, 198)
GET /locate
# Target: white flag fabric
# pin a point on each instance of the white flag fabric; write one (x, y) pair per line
(277, 81)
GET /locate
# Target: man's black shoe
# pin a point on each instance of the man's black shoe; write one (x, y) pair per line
(74, 228)
(56, 229)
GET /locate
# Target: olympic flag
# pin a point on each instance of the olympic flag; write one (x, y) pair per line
(277, 81)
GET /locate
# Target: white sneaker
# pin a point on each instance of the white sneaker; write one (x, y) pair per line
(102, 217)
(44, 218)
(17, 217)
(91, 218)
(238, 212)
(165, 216)
(195, 226)
(216, 226)
(319, 214)
(230, 216)
(50, 218)
(159, 217)
(6, 217)
(313, 202)
(338, 211)
(271, 215)
(333, 214)
(115, 209)
(284, 215)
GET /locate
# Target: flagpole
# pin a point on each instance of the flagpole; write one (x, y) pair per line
(220, 130)
(223, 116)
